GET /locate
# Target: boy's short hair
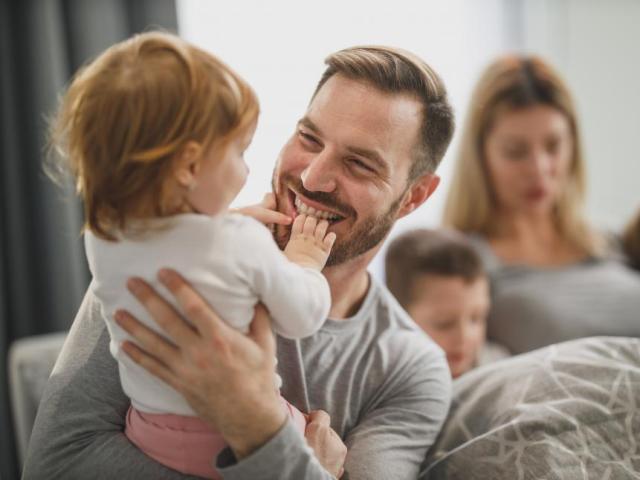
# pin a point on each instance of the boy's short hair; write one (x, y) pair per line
(128, 114)
(429, 252)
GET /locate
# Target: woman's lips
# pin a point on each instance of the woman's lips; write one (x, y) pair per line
(537, 194)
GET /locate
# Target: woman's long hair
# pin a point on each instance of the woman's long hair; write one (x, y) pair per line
(511, 83)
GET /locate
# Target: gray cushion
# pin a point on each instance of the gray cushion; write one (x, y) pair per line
(568, 411)
(31, 360)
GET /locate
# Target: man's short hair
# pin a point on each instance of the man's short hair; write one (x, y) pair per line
(393, 70)
(429, 252)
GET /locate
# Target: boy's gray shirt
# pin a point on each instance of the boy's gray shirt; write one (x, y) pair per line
(384, 383)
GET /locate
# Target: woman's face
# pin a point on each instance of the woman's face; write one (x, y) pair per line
(528, 156)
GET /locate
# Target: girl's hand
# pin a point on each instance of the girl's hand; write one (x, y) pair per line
(265, 212)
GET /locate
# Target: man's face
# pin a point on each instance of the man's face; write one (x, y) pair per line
(348, 161)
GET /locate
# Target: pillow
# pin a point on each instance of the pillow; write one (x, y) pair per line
(568, 411)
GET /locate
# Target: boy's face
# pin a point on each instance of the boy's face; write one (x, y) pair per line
(453, 312)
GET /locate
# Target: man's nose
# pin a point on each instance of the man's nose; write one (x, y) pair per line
(319, 176)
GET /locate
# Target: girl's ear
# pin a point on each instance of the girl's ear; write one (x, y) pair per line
(187, 164)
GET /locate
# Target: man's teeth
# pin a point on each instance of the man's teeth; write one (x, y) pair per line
(313, 212)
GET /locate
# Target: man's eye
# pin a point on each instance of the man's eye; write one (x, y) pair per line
(307, 138)
(360, 164)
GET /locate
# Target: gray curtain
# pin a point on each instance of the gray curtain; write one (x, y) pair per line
(43, 274)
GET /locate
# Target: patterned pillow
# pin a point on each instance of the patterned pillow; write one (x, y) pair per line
(568, 411)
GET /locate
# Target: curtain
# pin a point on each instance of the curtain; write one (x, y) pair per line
(43, 274)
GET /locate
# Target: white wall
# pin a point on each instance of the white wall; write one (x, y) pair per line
(279, 47)
(596, 46)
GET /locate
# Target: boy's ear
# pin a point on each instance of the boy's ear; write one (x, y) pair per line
(187, 164)
(418, 193)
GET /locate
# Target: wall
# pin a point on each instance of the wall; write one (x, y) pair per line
(596, 46)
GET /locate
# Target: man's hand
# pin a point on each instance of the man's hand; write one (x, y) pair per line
(265, 212)
(325, 443)
(227, 377)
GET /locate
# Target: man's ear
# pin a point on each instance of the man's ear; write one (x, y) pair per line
(187, 164)
(417, 194)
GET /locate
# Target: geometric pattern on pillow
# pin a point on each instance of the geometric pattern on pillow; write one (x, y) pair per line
(568, 411)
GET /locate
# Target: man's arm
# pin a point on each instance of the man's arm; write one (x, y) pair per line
(226, 377)
(393, 437)
(78, 432)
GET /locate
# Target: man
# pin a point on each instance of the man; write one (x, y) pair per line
(363, 155)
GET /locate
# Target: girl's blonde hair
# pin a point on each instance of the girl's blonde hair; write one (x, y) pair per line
(128, 114)
(511, 83)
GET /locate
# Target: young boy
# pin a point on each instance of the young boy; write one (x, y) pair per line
(438, 278)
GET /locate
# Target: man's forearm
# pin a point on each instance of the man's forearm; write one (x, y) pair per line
(285, 457)
(104, 455)
(78, 432)
(244, 441)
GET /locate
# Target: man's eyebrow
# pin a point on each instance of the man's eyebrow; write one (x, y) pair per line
(306, 122)
(370, 154)
(363, 152)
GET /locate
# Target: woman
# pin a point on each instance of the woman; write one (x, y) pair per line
(518, 190)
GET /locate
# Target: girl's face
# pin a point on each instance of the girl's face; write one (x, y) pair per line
(528, 156)
(220, 176)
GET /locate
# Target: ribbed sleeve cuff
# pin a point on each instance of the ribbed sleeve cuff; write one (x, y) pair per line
(284, 457)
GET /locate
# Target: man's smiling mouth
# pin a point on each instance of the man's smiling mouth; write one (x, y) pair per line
(301, 207)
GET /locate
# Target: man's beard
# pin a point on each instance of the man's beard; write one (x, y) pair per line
(362, 238)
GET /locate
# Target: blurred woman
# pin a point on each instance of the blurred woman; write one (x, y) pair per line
(518, 190)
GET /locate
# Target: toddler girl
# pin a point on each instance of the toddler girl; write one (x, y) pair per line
(154, 132)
